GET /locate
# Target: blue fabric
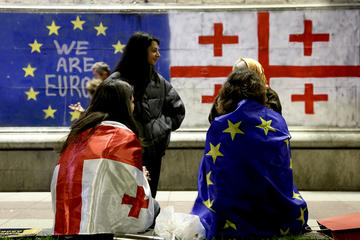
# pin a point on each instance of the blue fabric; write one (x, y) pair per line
(250, 190)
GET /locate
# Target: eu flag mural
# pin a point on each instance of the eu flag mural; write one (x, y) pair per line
(245, 183)
(46, 60)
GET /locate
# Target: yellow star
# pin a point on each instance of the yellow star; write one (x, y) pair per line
(74, 115)
(100, 29)
(266, 125)
(29, 70)
(233, 129)
(214, 152)
(31, 94)
(290, 163)
(78, 23)
(302, 217)
(35, 46)
(208, 181)
(209, 204)
(287, 143)
(286, 232)
(49, 112)
(296, 196)
(118, 47)
(53, 28)
(230, 224)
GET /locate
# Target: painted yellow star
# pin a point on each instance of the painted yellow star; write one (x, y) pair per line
(302, 217)
(118, 47)
(78, 23)
(74, 115)
(208, 181)
(214, 152)
(53, 28)
(49, 112)
(266, 125)
(286, 232)
(296, 196)
(230, 224)
(209, 204)
(100, 29)
(29, 70)
(35, 46)
(233, 129)
(31, 94)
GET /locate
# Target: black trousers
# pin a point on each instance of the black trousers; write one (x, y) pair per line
(152, 157)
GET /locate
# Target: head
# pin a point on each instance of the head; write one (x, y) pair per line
(252, 64)
(113, 100)
(240, 85)
(100, 70)
(92, 85)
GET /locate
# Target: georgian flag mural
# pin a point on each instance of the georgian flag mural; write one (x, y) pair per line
(311, 59)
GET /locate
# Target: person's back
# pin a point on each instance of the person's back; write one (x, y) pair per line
(245, 185)
(98, 185)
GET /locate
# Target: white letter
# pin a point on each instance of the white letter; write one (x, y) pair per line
(62, 93)
(64, 48)
(79, 47)
(48, 85)
(74, 62)
(83, 86)
(61, 63)
(74, 86)
(88, 62)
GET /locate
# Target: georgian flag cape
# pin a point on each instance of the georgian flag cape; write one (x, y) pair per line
(98, 185)
(245, 181)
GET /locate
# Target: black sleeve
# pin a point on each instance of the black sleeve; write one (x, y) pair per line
(273, 100)
(174, 108)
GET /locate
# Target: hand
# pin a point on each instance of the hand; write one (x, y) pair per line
(146, 173)
(77, 107)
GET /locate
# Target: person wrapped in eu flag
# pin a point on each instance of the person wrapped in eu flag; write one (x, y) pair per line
(245, 181)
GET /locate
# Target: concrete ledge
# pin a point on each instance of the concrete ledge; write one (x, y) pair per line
(48, 138)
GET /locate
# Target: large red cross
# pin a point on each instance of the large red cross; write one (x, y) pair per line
(218, 39)
(271, 71)
(137, 202)
(307, 38)
(309, 98)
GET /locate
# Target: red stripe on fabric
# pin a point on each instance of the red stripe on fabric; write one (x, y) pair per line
(200, 71)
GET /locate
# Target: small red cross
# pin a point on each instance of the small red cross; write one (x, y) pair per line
(308, 37)
(309, 98)
(218, 39)
(210, 99)
(137, 202)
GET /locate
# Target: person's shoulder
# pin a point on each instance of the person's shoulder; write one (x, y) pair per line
(114, 75)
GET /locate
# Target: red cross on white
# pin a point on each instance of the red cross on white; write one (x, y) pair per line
(309, 98)
(273, 71)
(218, 39)
(138, 202)
(307, 38)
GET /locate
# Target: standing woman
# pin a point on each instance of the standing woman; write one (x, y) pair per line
(158, 107)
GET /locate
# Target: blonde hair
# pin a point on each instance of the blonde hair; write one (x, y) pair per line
(251, 64)
(92, 85)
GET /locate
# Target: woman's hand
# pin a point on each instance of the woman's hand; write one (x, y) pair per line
(146, 173)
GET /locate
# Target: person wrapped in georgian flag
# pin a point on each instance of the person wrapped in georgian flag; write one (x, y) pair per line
(98, 185)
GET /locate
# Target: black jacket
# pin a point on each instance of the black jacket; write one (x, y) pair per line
(158, 112)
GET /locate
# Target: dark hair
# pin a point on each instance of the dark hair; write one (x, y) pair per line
(134, 65)
(111, 101)
(244, 84)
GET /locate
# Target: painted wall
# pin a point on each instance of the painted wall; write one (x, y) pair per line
(311, 58)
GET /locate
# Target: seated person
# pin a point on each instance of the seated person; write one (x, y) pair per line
(272, 101)
(98, 185)
(245, 181)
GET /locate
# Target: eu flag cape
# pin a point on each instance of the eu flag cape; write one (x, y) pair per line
(245, 182)
(98, 185)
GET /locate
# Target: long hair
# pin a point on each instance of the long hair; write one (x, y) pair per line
(111, 101)
(245, 84)
(251, 64)
(134, 65)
